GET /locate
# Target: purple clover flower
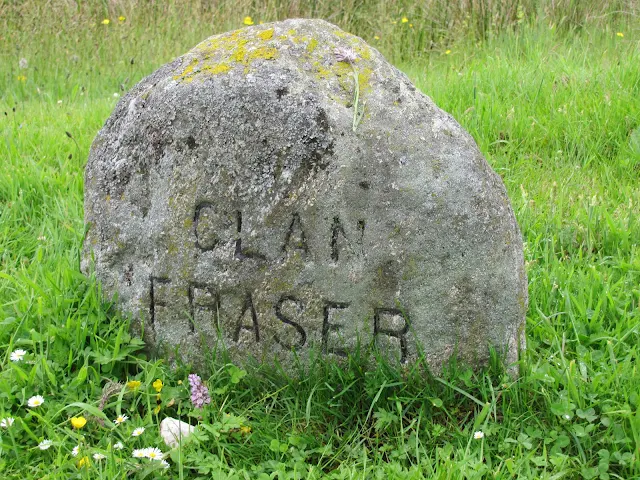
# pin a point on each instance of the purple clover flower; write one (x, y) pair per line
(199, 392)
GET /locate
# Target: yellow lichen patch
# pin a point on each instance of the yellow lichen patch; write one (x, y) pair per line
(364, 53)
(266, 34)
(311, 46)
(266, 53)
(240, 51)
(364, 75)
(320, 71)
(291, 32)
(187, 71)
(216, 69)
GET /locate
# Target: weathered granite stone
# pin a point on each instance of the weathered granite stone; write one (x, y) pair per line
(230, 200)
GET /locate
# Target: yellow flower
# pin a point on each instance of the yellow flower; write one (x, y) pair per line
(376, 37)
(22, 78)
(156, 410)
(247, 21)
(447, 52)
(105, 21)
(405, 20)
(158, 385)
(78, 422)
(134, 384)
(83, 462)
(411, 25)
(620, 34)
(121, 18)
(245, 429)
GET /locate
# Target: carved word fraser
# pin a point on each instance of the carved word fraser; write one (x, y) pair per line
(204, 303)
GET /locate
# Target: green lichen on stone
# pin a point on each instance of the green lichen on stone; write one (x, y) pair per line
(311, 46)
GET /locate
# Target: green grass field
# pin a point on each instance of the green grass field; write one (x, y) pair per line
(555, 108)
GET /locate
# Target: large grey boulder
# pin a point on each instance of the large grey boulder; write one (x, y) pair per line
(240, 197)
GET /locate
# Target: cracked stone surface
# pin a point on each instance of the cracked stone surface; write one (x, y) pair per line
(232, 205)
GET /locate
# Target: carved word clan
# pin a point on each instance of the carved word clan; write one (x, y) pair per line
(212, 229)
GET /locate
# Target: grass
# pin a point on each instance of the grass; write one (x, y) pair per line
(557, 116)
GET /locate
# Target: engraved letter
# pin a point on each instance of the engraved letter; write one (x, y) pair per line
(295, 238)
(211, 227)
(383, 321)
(241, 253)
(284, 319)
(328, 327)
(248, 307)
(202, 297)
(337, 230)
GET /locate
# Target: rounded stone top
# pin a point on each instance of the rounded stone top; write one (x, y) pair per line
(281, 190)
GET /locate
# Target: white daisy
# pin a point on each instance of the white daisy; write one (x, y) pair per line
(478, 435)
(154, 453)
(120, 419)
(99, 456)
(137, 432)
(164, 463)
(17, 355)
(139, 453)
(44, 444)
(118, 446)
(35, 401)
(75, 451)
(6, 422)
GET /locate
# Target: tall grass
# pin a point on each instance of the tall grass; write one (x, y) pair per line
(429, 25)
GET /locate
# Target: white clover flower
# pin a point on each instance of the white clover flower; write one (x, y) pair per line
(35, 401)
(118, 446)
(567, 416)
(44, 444)
(99, 456)
(17, 355)
(120, 419)
(139, 453)
(137, 432)
(153, 453)
(7, 422)
(23, 63)
(478, 435)
(75, 451)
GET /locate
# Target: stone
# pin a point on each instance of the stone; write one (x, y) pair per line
(242, 197)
